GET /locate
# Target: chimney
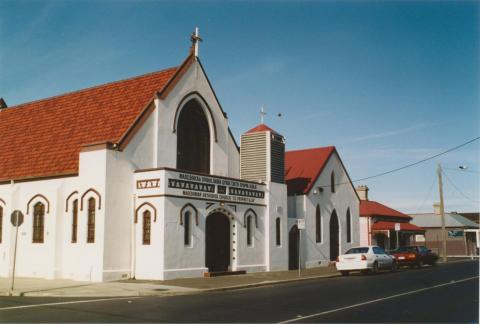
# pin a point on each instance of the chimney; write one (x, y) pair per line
(362, 192)
(436, 208)
(3, 104)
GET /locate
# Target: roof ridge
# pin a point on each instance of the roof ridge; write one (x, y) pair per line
(91, 88)
(312, 148)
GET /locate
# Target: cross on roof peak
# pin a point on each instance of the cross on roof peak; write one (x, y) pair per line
(195, 39)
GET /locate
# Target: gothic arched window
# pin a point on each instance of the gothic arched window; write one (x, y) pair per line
(278, 231)
(249, 230)
(349, 226)
(1, 223)
(38, 222)
(147, 224)
(193, 139)
(187, 223)
(332, 182)
(91, 221)
(74, 221)
(318, 225)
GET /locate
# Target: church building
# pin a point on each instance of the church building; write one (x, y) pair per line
(142, 178)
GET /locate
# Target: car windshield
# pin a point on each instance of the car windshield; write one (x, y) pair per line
(404, 249)
(357, 250)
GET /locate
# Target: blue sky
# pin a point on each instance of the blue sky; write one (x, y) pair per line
(386, 82)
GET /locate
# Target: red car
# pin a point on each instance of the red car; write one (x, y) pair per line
(414, 256)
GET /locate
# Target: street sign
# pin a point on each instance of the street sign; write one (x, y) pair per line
(301, 224)
(16, 218)
(397, 227)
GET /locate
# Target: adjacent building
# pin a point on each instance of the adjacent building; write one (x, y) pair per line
(462, 234)
(384, 226)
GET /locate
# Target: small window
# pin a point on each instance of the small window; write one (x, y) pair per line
(74, 221)
(332, 181)
(318, 225)
(38, 222)
(91, 221)
(147, 223)
(1, 223)
(249, 230)
(188, 227)
(349, 227)
(278, 231)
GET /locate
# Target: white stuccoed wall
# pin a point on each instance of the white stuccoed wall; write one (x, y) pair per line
(315, 254)
(277, 256)
(224, 155)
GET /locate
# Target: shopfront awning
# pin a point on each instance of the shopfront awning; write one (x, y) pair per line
(390, 226)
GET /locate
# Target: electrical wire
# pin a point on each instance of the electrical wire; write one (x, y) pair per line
(428, 195)
(407, 165)
(458, 190)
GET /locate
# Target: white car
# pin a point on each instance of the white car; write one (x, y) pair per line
(365, 259)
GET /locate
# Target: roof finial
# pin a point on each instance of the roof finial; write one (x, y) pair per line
(195, 38)
(262, 114)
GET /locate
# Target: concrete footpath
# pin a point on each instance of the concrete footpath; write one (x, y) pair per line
(33, 287)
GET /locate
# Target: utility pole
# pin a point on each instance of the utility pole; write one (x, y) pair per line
(442, 213)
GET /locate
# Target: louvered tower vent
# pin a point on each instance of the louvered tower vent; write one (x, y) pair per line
(262, 155)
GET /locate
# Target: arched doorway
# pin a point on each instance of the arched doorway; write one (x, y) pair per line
(193, 139)
(293, 245)
(334, 236)
(217, 242)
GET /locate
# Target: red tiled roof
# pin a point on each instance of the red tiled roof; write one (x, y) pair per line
(372, 208)
(44, 137)
(260, 128)
(390, 226)
(303, 167)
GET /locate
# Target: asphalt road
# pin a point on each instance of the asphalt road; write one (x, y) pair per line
(446, 293)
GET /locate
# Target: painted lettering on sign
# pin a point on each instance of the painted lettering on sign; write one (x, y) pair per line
(190, 185)
(221, 189)
(148, 183)
(246, 193)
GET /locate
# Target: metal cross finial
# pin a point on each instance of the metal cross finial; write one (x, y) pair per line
(262, 114)
(195, 38)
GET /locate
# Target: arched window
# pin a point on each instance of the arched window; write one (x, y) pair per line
(1, 223)
(332, 182)
(278, 231)
(74, 220)
(349, 226)
(187, 223)
(193, 139)
(318, 225)
(147, 223)
(91, 221)
(38, 222)
(249, 231)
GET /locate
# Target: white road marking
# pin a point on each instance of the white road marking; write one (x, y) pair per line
(66, 303)
(377, 300)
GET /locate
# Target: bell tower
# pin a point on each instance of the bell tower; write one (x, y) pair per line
(262, 155)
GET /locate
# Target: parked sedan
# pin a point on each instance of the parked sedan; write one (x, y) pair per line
(365, 259)
(414, 256)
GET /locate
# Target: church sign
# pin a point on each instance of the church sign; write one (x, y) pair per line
(148, 183)
(214, 188)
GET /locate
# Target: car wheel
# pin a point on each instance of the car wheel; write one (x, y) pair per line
(344, 273)
(420, 264)
(394, 266)
(375, 268)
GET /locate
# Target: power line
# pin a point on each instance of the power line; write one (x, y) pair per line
(421, 161)
(407, 165)
(458, 190)
(460, 170)
(428, 195)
